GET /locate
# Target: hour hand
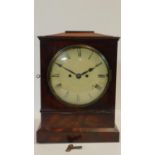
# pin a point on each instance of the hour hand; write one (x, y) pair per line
(60, 65)
(91, 69)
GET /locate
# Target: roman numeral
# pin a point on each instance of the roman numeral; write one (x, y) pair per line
(79, 52)
(97, 86)
(78, 98)
(90, 55)
(68, 56)
(66, 94)
(90, 95)
(55, 75)
(101, 75)
(59, 85)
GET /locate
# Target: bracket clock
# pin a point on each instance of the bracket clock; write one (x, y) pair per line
(78, 83)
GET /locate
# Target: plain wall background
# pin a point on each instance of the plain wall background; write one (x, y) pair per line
(55, 16)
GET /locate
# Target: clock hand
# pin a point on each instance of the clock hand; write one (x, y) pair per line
(91, 69)
(98, 64)
(60, 65)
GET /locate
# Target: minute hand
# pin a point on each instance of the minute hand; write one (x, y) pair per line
(91, 69)
(66, 68)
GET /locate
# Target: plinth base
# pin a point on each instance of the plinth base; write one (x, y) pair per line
(58, 135)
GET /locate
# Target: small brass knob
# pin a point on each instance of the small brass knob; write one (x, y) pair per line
(38, 76)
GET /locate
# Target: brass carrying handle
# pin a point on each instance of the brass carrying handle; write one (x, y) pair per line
(68, 31)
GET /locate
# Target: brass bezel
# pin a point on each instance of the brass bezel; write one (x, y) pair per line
(78, 46)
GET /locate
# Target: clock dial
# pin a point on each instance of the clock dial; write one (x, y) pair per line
(78, 75)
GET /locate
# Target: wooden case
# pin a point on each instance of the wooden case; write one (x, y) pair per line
(61, 123)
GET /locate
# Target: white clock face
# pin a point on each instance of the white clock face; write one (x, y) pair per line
(78, 75)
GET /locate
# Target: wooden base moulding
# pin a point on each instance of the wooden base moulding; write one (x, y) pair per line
(82, 135)
(76, 128)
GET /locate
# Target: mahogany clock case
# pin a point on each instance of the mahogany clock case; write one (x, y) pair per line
(63, 123)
